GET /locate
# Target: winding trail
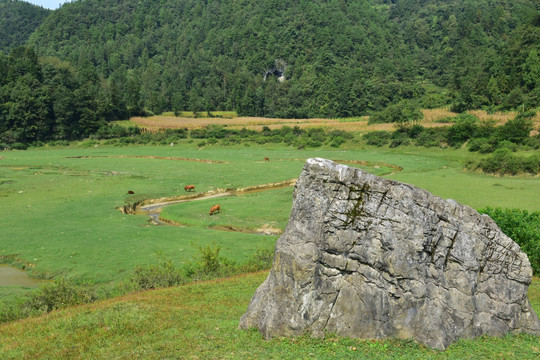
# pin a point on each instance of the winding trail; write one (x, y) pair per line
(152, 207)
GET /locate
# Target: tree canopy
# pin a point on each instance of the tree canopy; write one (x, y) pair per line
(18, 19)
(282, 58)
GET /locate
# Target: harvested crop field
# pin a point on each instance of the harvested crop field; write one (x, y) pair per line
(432, 118)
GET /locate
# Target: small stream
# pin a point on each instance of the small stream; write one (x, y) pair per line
(11, 276)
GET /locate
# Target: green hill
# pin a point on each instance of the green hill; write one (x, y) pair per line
(95, 61)
(338, 58)
(18, 19)
(200, 321)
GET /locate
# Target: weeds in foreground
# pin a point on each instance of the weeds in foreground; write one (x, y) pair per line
(207, 265)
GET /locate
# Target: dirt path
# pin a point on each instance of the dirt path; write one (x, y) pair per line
(152, 207)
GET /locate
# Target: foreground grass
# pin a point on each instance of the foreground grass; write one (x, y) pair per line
(199, 321)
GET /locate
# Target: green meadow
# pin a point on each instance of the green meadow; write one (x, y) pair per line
(60, 217)
(59, 213)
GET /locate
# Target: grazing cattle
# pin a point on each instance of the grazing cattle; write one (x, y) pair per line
(131, 192)
(266, 159)
(189, 187)
(214, 209)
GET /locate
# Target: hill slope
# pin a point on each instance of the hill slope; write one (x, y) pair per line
(199, 321)
(18, 19)
(338, 58)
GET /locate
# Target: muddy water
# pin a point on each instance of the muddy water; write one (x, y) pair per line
(11, 276)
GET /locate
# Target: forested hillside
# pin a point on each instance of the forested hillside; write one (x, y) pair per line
(18, 19)
(98, 60)
(339, 58)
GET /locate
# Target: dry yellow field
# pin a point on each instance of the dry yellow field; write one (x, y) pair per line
(431, 119)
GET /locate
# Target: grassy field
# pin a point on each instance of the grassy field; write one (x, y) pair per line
(199, 321)
(60, 217)
(59, 206)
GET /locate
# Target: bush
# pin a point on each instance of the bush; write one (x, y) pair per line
(163, 274)
(19, 146)
(432, 137)
(198, 134)
(58, 294)
(522, 227)
(533, 142)
(516, 130)
(482, 145)
(532, 164)
(377, 138)
(400, 138)
(113, 131)
(337, 141)
(402, 112)
(261, 260)
(502, 161)
(464, 129)
(414, 131)
(505, 144)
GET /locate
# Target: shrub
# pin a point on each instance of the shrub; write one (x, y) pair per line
(198, 134)
(502, 161)
(163, 274)
(464, 129)
(316, 134)
(337, 141)
(216, 132)
(522, 227)
(505, 144)
(210, 258)
(482, 145)
(516, 130)
(19, 146)
(261, 260)
(400, 137)
(532, 164)
(377, 138)
(402, 112)
(432, 137)
(57, 295)
(342, 133)
(533, 142)
(414, 131)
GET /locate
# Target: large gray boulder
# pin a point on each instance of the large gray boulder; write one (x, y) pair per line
(371, 258)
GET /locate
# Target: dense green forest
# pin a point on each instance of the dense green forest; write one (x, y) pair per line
(18, 19)
(278, 58)
(45, 99)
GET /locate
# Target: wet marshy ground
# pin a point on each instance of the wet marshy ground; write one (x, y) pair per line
(11, 276)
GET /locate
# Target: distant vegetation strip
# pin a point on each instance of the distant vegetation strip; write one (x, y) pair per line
(430, 118)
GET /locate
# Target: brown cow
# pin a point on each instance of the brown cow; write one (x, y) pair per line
(215, 208)
(131, 192)
(189, 187)
(266, 159)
